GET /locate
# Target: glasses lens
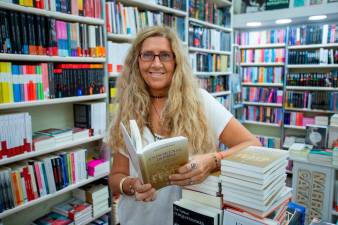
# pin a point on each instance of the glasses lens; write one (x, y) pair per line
(166, 56)
(147, 56)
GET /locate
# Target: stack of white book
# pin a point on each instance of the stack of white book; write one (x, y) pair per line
(78, 211)
(211, 185)
(253, 180)
(335, 157)
(95, 194)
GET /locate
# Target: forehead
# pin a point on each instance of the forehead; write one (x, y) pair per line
(156, 44)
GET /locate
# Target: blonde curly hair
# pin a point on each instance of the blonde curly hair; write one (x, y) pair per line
(183, 113)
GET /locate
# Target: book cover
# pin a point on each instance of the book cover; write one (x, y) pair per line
(256, 159)
(53, 218)
(155, 161)
(188, 212)
(316, 136)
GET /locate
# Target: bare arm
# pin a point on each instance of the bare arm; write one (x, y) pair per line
(234, 135)
(130, 185)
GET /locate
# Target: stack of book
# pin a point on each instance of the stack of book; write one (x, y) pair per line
(53, 218)
(323, 156)
(201, 202)
(96, 167)
(103, 220)
(52, 137)
(78, 211)
(335, 156)
(95, 194)
(211, 185)
(299, 150)
(253, 182)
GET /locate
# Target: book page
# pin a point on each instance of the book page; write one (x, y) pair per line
(131, 150)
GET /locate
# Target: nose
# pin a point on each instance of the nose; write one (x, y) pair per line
(157, 61)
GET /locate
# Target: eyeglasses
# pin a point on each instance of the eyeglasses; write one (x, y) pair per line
(163, 56)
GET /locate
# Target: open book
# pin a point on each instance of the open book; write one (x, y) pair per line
(155, 161)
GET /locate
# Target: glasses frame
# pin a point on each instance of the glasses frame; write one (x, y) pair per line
(158, 55)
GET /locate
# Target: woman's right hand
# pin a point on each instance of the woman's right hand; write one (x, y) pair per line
(144, 192)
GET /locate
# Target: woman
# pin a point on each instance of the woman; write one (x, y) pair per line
(157, 89)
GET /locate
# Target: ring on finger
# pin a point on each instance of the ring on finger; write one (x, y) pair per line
(193, 165)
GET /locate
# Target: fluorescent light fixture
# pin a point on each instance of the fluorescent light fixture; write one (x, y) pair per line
(283, 21)
(318, 17)
(253, 24)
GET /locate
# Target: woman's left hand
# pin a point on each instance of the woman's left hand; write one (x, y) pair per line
(195, 171)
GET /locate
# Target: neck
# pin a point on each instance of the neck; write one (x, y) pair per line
(158, 96)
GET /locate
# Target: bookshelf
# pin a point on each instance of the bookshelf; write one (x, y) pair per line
(310, 74)
(262, 66)
(205, 52)
(51, 111)
(116, 34)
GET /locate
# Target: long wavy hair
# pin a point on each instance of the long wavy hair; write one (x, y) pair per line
(183, 113)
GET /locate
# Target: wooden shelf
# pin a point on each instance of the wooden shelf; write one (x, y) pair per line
(278, 45)
(152, 6)
(263, 104)
(47, 58)
(207, 74)
(263, 64)
(294, 127)
(52, 101)
(299, 15)
(120, 37)
(315, 66)
(263, 84)
(332, 45)
(52, 14)
(210, 25)
(29, 155)
(193, 49)
(309, 110)
(300, 88)
(261, 123)
(221, 93)
(50, 196)
(114, 74)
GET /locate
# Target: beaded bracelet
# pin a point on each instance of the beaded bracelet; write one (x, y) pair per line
(217, 161)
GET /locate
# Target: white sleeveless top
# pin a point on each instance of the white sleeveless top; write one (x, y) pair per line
(160, 211)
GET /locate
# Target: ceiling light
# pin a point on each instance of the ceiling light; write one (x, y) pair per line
(283, 21)
(253, 24)
(318, 17)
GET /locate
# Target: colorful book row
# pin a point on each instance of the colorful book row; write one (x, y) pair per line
(208, 62)
(263, 74)
(39, 35)
(273, 36)
(263, 55)
(20, 83)
(266, 95)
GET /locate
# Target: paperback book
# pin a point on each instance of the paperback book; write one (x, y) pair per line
(155, 161)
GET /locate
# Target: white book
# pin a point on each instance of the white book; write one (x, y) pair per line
(209, 200)
(256, 159)
(155, 161)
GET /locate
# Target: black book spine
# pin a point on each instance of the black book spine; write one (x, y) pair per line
(6, 32)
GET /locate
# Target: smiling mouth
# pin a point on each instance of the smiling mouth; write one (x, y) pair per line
(157, 73)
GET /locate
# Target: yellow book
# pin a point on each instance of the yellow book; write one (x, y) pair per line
(157, 160)
(10, 81)
(2, 78)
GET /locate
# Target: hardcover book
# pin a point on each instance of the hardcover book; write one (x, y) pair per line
(316, 136)
(155, 161)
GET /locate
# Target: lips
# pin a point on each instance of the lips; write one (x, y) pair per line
(157, 73)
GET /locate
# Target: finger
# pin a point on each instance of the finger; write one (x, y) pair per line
(180, 177)
(143, 188)
(145, 196)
